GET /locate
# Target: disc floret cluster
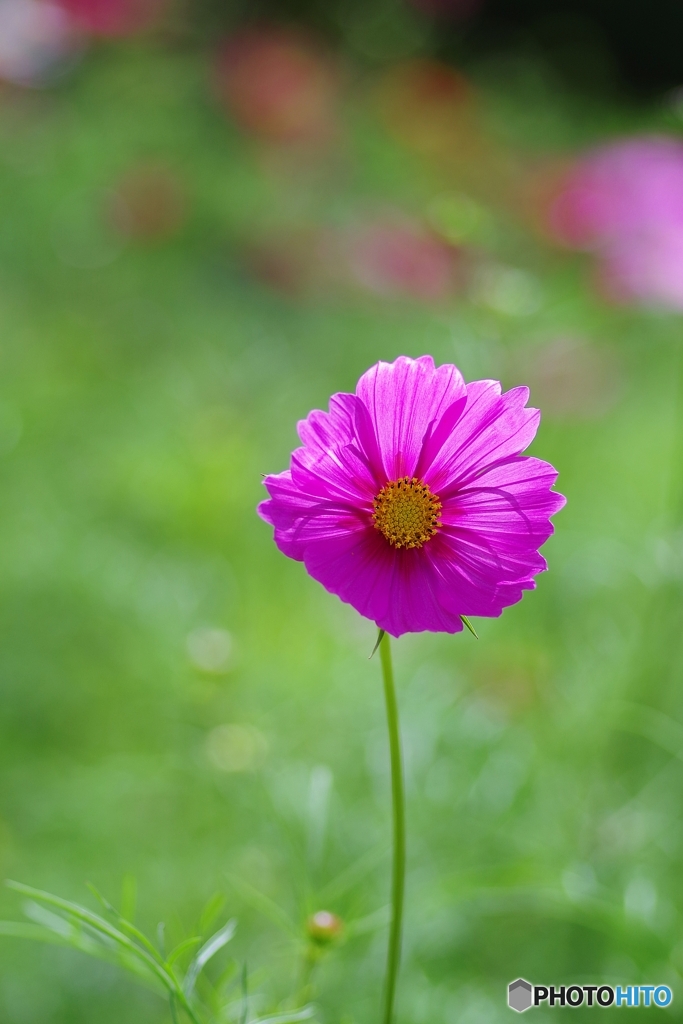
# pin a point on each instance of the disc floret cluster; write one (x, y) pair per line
(406, 512)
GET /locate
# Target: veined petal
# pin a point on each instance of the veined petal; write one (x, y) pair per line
(417, 603)
(329, 429)
(438, 432)
(338, 473)
(358, 567)
(403, 398)
(474, 578)
(300, 519)
(492, 427)
(508, 505)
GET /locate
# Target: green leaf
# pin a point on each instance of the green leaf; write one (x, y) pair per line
(102, 899)
(56, 930)
(208, 950)
(466, 622)
(135, 933)
(131, 955)
(124, 924)
(181, 948)
(380, 637)
(22, 930)
(99, 925)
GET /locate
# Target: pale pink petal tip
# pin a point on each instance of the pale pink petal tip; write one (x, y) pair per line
(415, 433)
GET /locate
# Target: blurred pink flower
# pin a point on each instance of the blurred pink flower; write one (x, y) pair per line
(394, 259)
(625, 201)
(113, 17)
(277, 85)
(645, 268)
(37, 39)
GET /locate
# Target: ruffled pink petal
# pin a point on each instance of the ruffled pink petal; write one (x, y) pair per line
(301, 518)
(508, 508)
(357, 567)
(470, 575)
(417, 603)
(329, 429)
(395, 589)
(439, 432)
(492, 427)
(338, 473)
(403, 398)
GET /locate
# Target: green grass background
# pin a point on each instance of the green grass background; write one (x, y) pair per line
(543, 761)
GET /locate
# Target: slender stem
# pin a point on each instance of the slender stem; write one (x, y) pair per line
(304, 988)
(398, 868)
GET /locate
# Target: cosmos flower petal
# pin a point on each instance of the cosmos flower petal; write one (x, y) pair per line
(492, 427)
(403, 398)
(473, 578)
(368, 443)
(358, 567)
(338, 473)
(421, 607)
(438, 433)
(301, 519)
(329, 429)
(510, 505)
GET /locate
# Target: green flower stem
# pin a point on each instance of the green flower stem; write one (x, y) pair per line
(398, 868)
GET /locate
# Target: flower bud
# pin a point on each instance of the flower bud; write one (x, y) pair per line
(324, 927)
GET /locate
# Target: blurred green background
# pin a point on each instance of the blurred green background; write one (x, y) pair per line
(180, 704)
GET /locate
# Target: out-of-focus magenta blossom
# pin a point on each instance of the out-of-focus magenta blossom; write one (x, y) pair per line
(112, 18)
(277, 85)
(647, 269)
(37, 40)
(394, 259)
(411, 501)
(625, 201)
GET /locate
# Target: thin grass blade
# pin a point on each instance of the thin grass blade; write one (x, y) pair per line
(98, 925)
(181, 948)
(208, 950)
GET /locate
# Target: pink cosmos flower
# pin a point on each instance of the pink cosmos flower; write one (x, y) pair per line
(37, 41)
(411, 500)
(625, 201)
(628, 187)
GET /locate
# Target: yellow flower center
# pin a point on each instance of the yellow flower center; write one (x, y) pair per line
(406, 512)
